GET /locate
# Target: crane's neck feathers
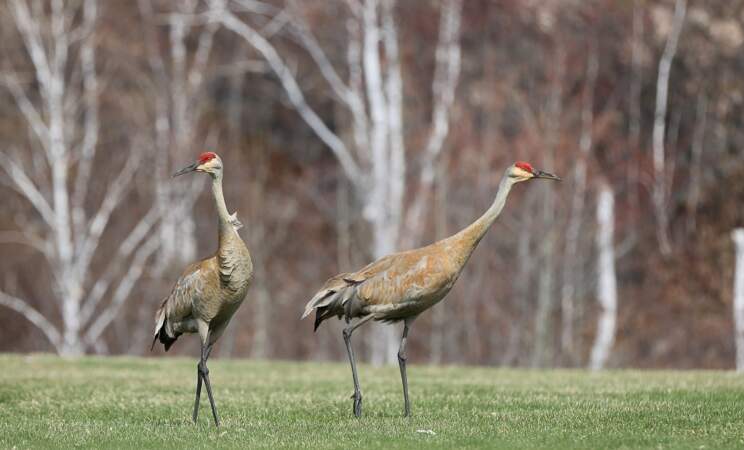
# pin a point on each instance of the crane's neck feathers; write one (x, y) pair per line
(473, 234)
(219, 200)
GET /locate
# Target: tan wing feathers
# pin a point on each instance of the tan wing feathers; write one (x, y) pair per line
(178, 305)
(397, 278)
(327, 293)
(335, 285)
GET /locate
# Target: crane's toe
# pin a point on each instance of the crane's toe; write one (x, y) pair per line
(358, 404)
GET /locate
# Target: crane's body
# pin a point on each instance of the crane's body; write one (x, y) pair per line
(401, 286)
(208, 292)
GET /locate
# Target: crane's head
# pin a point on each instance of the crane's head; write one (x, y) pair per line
(523, 171)
(208, 162)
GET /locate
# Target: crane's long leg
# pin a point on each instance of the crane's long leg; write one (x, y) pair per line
(347, 339)
(195, 415)
(204, 371)
(402, 363)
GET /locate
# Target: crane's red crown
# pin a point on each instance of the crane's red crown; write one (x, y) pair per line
(206, 157)
(524, 166)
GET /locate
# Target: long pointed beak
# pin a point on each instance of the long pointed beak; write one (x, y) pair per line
(186, 169)
(546, 175)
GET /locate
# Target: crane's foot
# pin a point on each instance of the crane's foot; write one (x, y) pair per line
(357, 404)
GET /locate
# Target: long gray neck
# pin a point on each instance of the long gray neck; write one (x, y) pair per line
(475, 231)
(219, 201)
(489, 217)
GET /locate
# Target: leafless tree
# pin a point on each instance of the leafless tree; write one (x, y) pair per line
(374, 159)
(54, 173)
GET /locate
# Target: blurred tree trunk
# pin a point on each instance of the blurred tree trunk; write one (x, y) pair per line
(571, 263)
(738, 236)
(521, 290)
(439, 315)
(696, 163)
(662, 174)
(543, 350)
(607, 279)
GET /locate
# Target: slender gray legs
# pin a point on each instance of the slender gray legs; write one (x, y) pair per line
(198, 394)
(347, 339)
(202, 374)
(402, 363)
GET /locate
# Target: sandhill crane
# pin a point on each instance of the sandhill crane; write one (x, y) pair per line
(401, 286)
(208, 292)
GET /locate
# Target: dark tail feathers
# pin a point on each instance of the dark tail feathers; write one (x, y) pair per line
(163, 337)
(321, 314)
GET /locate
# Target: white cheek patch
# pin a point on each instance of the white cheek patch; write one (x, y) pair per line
(522, 173)
(209, 164)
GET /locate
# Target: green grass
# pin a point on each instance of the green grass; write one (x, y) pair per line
(46, 401)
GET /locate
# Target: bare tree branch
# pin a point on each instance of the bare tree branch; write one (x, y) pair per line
(125, 286)
(129, 245)
(30, 113)
(32, 315)
(307, 39)
(31, 35)
(296, 97)
(201, 58)
(28, 189)
(116, 190)
(27, 238)
(91, 125)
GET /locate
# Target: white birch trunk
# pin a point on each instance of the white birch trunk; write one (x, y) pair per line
(607, 282)
(738, 237)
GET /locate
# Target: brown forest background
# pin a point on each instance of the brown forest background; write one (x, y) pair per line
(571, 86)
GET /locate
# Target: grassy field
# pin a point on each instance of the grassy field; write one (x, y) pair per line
(146, 403)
